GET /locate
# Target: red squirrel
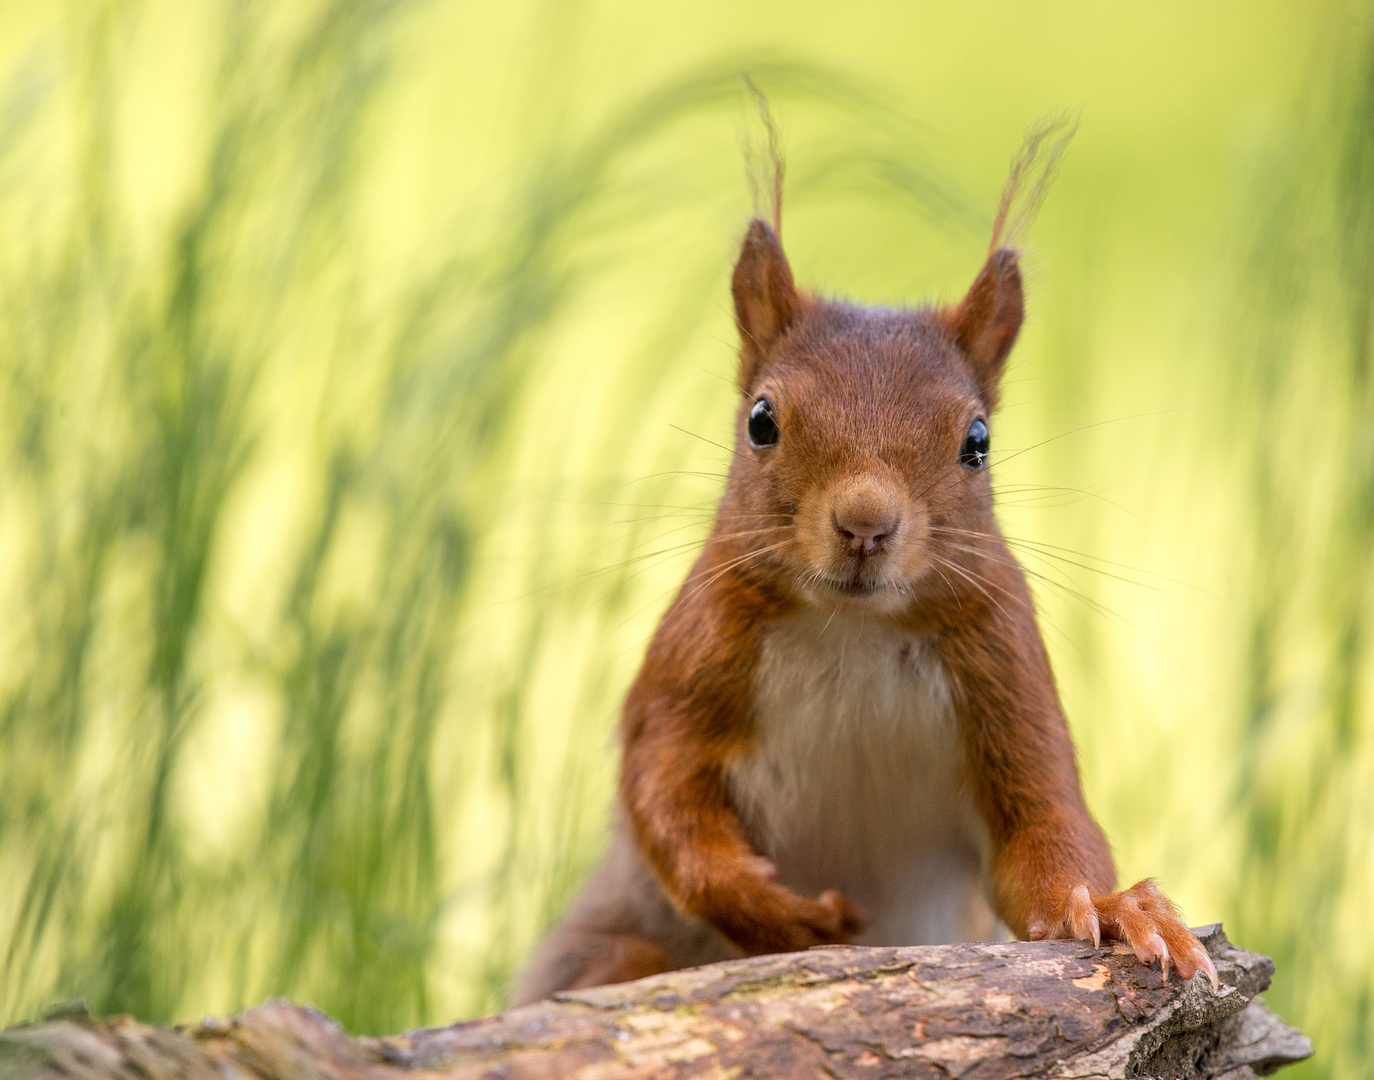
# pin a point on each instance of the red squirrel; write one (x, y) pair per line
(846, 728)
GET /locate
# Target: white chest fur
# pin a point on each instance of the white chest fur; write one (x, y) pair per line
(854, 780)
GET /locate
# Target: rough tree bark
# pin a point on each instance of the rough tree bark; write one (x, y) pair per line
(1044, 1009)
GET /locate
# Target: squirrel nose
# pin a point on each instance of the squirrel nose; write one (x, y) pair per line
(864, 533)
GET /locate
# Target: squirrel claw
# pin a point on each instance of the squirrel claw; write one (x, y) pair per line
(1154, 946)
(1142, 917)
(1082, 916)
(1204, 963)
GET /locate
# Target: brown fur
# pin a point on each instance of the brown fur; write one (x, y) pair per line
(874, 405)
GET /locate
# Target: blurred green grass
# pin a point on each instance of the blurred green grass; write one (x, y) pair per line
(362, 366)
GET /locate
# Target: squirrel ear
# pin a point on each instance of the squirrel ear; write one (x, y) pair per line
(985, 322)
(766, 300)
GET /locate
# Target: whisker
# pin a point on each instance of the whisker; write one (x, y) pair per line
(1046, 550)
(1013, 454)
(1031, 551)
(601, 571)
(953, 592)
(738, 561)
(720, 571)
(975, 581)
(719, 537)
(1120, 621)
(676, 472)
(732, 451)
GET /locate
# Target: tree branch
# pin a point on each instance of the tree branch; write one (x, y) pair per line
(1046, 1009)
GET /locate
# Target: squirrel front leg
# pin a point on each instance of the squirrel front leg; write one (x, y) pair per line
(686, 718)
(1052, 873)
(673, 789)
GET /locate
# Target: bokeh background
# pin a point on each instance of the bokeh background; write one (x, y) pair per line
(364, 370)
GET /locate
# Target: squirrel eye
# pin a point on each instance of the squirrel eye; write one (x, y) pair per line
(763, 425)
(974, 453)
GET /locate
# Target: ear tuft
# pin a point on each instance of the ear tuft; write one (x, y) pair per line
(984, 324)
(766, 300)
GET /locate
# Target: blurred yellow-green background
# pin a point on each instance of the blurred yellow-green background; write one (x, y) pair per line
(363, 366)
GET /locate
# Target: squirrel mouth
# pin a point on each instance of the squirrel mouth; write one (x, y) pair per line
(857, 587)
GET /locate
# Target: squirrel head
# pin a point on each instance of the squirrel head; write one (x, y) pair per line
(860, 470)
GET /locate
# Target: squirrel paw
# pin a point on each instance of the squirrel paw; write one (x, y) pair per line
(829, 919)
(1141, 916)
(750, 907)
(845, 919)
(800, 922)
